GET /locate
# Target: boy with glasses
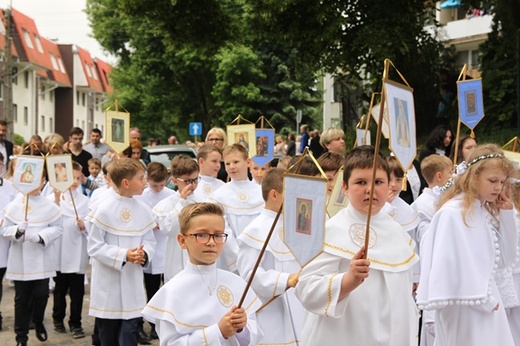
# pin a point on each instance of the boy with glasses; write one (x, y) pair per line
(199, 305)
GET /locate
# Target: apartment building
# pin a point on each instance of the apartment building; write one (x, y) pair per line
(55, 87)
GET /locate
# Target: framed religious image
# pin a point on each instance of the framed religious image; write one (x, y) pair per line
(117, 130)
(337, 200)
(304, 215)
(244, 135)
(375, 115)
(401, 120)
(264, 146)
(471, 105)
(362, 137)
(28, 173)
(59, 171)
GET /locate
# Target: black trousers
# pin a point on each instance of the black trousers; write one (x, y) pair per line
(2, 273)
(30, 296)
(118, 332)
(152, 283)
(74, 285)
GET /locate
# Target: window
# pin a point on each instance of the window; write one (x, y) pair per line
(102, 129)
(51, 96)
(26, 79)
(60, 63)
(87, 68)
(28, 40)
(77, 97)
(2, 90)
(51, 125)
(96, 127)
(25, 115)
(54, 62)
(82, 124)
(83, 97)
(42, 92)
(15, 76)
(474, 58)
(38, 44)
(461, 58)
(43, 122)
(77, 122)
(15, 112)
(94, 73)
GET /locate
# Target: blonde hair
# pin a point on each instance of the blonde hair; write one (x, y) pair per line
(124, 168)
(467, 182)
(197, 209)
(235, 148)
(331, 134)
(219, 132)
(433, 164)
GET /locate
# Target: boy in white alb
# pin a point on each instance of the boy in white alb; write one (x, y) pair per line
(282, 319)
(120, 243)
(31, 259)
(436, 170)
(396, 207)
(185, 175)
(351, 300)
(241, 198)
(208, 158)
(199, 305)
(71, 251)
(157, 177)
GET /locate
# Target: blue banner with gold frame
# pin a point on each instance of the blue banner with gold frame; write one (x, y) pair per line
(264, 139)
(471, 104)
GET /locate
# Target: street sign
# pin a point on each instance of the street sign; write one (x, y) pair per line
(195, 129)
(299, 116)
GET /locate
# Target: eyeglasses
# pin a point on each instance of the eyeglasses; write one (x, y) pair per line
(203, 238)
(215, 139)
(189, 181)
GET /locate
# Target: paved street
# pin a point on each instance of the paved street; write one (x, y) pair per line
(7, 336)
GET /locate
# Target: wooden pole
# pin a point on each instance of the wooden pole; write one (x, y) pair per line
(463, 76)
(73, 204)
(376, 153)
(260, 255)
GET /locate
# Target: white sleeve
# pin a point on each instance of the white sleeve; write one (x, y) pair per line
(110, 255)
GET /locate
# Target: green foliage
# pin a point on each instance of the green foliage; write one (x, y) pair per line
(19, 140)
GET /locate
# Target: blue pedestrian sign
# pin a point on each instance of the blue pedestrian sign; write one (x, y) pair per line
(195, 129)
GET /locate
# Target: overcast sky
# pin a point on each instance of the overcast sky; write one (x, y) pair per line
(62, 21)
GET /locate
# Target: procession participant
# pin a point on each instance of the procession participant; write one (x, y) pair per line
(208, 158)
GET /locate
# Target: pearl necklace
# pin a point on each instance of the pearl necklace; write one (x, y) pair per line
(205, 283)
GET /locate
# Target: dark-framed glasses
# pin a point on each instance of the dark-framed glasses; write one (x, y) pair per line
(190, 181)
(215, 139)
(203, 238)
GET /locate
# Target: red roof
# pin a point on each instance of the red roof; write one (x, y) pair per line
(3, 33)
(57, 70)
(104, 70)
(89, 68)
(30, 41)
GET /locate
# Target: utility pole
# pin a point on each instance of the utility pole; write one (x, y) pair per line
(8, 75)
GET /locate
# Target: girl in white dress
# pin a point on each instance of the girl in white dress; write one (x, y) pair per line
(471, 236)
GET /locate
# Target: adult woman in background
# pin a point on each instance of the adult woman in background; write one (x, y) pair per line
(217, 137)
(439, 142)
(465, 147)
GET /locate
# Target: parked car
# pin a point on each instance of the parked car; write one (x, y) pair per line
(165, 153)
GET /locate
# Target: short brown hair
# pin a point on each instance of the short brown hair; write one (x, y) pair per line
(207, 149)
(183, 164)
(273, 180)
(432, 164)
(362, 157)
(196, 209)
(235, 148)
(330, 161)
(124, 168)
(395, 167)
(94, 161)
(157, 172)
(307, 166)
(76, 166)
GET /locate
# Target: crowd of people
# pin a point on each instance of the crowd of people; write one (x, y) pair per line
(441, 265)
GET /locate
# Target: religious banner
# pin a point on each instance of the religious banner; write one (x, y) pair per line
(401, 120)
(471, 104)
(117, 130)
(304, 216)
(244, 135)
(338, 200)
(375, 115)
(264, 146)
(362, 137)
(28, 173)
(59, 171)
